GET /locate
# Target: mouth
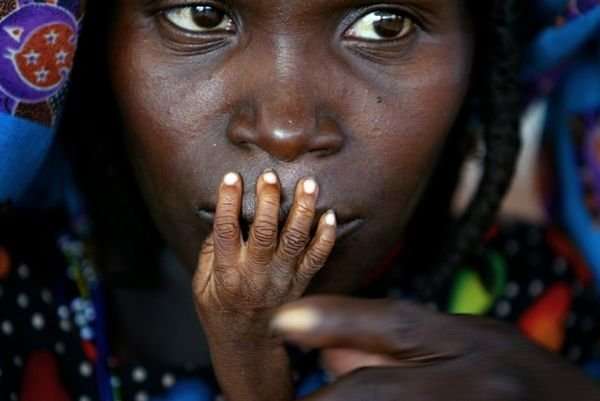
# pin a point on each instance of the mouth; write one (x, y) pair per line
(346, 224)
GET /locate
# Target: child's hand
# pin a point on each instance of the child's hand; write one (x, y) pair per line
(238, 284)
(248, 279)
(388, 350)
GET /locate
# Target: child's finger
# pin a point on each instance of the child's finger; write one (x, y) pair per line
(204, 268)
(226, 228)
(262, 239)
(296, 233)
(318, 251)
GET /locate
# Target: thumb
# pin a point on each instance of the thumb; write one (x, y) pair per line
(399, 329)
(341, 361)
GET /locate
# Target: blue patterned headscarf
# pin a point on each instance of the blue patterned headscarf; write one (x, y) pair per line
(37, 46)
(563, 66)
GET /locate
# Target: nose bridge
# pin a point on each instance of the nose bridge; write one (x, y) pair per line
(286, 99)
(285, 111)
(283, 94)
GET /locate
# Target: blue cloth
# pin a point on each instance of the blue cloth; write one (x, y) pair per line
(24, 146)
(545, 53)
(563, 64)
(37, 47)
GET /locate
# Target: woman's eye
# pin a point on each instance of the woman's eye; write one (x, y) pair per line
(381, 25)
(200, 19)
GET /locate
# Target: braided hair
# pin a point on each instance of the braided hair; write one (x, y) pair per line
(497, 108)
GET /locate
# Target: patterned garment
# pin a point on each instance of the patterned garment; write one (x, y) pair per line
(53, 336)
(37, 45)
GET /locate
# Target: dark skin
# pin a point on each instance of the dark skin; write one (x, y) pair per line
(349, 104)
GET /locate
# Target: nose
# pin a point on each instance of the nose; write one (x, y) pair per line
(286, 122)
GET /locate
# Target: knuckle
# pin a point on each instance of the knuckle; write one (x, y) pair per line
(326, 243)
(293, 241)
(281, 280)
(303, 277)
(228, 280)
(269, 201)
(405, 331)
(263, 232)
(317, 257)
(226, 228)
(305, 209)
(228, 202)
(208, 248)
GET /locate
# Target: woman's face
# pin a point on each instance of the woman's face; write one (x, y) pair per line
(358, 94)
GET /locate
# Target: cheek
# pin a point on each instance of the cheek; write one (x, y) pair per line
(406, 130)
(165, 112)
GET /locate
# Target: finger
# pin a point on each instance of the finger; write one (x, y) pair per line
(360, 385)
(428, 383)
(318, 251)
(341, 361)
(204, 268)
(296, 232)
(262, 240)
(226, 228)
(399, 329)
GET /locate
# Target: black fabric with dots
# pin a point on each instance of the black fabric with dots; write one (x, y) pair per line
(34, 314)
(534, 266)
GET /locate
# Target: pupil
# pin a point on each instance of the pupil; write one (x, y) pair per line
(389, 25)
(207, 16)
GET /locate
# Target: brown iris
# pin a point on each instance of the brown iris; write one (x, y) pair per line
(207, 16)
(389, 25)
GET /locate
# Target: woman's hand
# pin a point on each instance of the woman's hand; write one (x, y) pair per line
(239, 283)
(387, 350)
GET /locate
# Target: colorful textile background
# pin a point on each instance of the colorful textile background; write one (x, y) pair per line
(37, 47)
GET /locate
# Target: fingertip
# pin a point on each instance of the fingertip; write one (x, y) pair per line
(267, 179)
(330, 218)
(327, 229)
(270, 177)
(296, 320)
(310, 186)
(231, 179)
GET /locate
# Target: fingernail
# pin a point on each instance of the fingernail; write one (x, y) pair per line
(330, 219)
(270, 177)
(310, 186)
(231, 179)
(296, 320)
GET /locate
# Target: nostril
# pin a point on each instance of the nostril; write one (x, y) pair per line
(320, 153)
(328, 139)
(241, 130)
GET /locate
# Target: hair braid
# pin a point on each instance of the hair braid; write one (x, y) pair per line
(500, 113)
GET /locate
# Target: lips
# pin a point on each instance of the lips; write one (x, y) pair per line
(346, 223)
